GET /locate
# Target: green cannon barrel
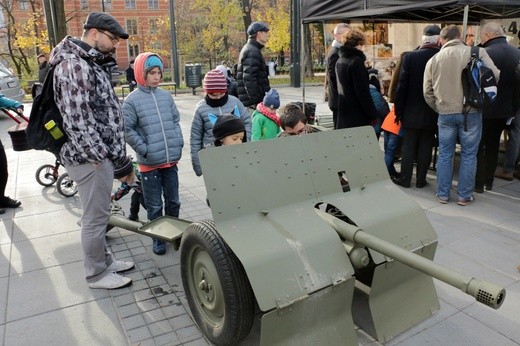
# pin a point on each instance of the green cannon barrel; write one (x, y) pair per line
(484, 292)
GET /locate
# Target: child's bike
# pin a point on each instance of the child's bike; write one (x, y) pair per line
(48, 174)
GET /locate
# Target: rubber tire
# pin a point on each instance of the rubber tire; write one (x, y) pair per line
(226, 317)
(66, 186)
(49, 177)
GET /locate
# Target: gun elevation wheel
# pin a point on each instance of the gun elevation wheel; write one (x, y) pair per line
(218, 291)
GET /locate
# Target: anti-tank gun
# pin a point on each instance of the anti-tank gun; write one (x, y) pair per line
(311, 234)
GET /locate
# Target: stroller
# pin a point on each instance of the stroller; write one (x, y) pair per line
(48, 174)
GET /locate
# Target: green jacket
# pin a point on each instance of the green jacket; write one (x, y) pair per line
(263, 127)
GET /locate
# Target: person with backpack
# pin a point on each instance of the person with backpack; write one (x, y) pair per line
(443, 92)
(495, 117)
(93, 123)
(379, 101)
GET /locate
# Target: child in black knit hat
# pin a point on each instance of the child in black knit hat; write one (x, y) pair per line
(229, 130)
(132, 182)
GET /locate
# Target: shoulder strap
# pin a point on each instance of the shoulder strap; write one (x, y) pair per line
(475, 51)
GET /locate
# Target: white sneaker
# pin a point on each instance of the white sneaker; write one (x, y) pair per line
(120, 266)
(111, 281)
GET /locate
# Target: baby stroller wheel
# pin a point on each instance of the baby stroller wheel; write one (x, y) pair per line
(46, 175)
(66, 186)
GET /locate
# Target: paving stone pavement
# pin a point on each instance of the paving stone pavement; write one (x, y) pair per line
(44, 299)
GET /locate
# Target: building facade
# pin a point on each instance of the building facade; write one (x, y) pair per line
(140, 18)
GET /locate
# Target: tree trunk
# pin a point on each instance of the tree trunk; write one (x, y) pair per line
(246, 9)
(307, 59)
(56, 21)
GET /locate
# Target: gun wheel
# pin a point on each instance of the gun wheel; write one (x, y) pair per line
(216, 286)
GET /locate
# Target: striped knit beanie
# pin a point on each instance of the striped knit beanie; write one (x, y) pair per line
(214, 82)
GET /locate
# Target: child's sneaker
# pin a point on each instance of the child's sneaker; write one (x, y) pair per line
(159, 247)
(111, 281)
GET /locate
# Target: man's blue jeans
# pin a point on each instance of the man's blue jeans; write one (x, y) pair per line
(157, 183)
(451, 127)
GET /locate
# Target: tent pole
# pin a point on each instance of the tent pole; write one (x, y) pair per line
(302, 65)
(465, 23)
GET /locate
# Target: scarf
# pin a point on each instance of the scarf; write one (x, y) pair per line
(268, 112)
(216, 103)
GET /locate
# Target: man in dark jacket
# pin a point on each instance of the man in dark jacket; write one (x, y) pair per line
(418, 119)
(130, 76)
(332, 85)
(494, 118)
(252, 76)
(43, 67)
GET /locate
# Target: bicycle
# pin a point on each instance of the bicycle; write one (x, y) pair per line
(47, 175)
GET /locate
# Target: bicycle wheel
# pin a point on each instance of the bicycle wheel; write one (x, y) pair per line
(66, 186)
(46, 175)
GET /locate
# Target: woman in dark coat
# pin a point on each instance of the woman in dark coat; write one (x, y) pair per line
(355, 105)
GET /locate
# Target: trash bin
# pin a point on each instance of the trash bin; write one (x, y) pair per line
(193, 76)
(309, 110)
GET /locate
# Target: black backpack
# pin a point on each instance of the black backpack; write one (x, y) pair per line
(45, 128)
(478, 83)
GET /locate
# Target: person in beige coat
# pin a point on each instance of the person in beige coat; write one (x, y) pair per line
(443, 93)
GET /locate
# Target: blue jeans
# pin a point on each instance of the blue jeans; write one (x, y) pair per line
(390, 145)
(156, 184)
(451, 127)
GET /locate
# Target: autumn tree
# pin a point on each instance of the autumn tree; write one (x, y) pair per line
(276, 14)
(154, 35)
(26, 37)
(221, 22)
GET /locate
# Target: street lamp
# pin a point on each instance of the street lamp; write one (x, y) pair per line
(175, 57)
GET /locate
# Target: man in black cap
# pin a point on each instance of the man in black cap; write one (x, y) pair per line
(252, 77)
(418, 119)
(93, 122)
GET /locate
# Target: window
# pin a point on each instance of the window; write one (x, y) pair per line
(131, 26)
(156, 46)
(154, 23)
(133, 50)
(130, 4)
(107, 5)
(153, 4)
(24, 4)
(83, 4)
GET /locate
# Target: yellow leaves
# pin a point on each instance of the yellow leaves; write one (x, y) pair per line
(278, 18)
(26, 36)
